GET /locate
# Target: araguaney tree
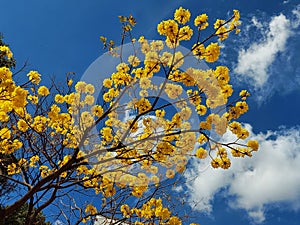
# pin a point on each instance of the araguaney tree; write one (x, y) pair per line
(7, 187)
(114, 151)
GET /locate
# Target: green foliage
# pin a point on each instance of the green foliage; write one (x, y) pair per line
(4, 61)
(19, 217)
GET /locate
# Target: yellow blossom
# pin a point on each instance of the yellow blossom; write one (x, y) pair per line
(201, 21)
(133, 60)
(34, 77)
(201, 153)
(182, 15)
(80, 86)
(59, 98)
(89, 88)
(5, 133)
(33, 160)
(97, 110)
(44, 91)
(6, 51)
(212, 52)
(170, 173)
(253, 144)
(90, 209)
(22, 125)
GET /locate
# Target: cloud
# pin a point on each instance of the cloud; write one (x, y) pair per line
(58, 222)
(255, 61)
(269, 178)
(286, 1)
(100, 220)
(256, 23)
(296, 20)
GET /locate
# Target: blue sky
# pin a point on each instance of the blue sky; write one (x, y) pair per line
(57, 37)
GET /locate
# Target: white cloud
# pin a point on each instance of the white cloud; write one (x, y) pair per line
(296, 20)
(270, 177)
(254, 61)
(58, 222)
(256, 23)
(100, 220)
(257, 215)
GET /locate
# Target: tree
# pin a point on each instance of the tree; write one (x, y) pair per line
(7, 187)
(6, 60)
(124, 143)
(19, 217)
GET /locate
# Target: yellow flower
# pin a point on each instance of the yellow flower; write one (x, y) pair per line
(244, 133)
(44, 91)
(178, 59)
(144, 93)
(170, 173)
(22, 162)
(80, 86)
(242, 106)
(6, 51)
(90, 209)
(5, 73)
(236, 14)
(157, 45)
(182, 15)
(168, 28)
(202, 139)
(212, 52)
(19, 97)
(205, 125)
(109, 191)
(70, 82)
(163, 213)
(133, 60)
(44, 171)
(160, 113)
(34, 77)
(63, 174)
(145, 83)
(244, 94)
(89, 88)
(225, 163)
(13, 169)
(5, 133)
(173, 91)
(107, 83)
(125, 209)
(89, 100)
(198, 50)
(143, 105)
(34, 99)
(201, 153)
(253, 144)
(33, 160)
(174, 221)
(201, 109)
(216, 162)
(122, 67)
(185, 113)
(201, 21)
(219, 23)
(235, 127)
(3, 117)
(97, 110)
(59, 98)
(22, 125)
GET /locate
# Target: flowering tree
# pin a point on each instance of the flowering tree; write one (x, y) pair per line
(113, 151)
